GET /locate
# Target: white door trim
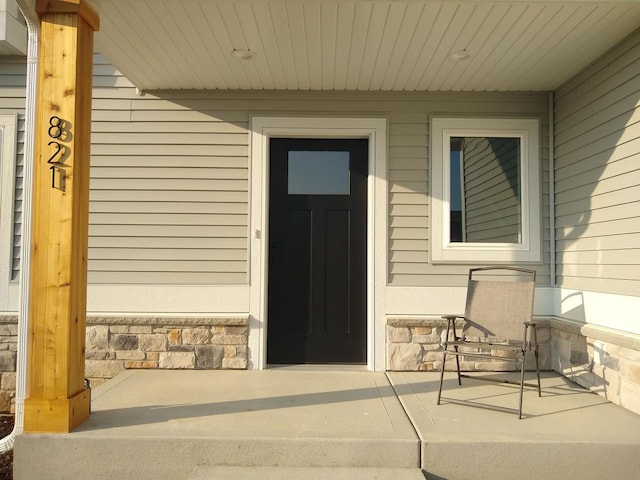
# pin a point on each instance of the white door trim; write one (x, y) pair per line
(263, 128)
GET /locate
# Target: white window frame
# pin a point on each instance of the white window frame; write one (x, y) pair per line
(8, 144)
(529, 248)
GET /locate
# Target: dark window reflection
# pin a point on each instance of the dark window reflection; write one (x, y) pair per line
(485, 194)
(318, 173)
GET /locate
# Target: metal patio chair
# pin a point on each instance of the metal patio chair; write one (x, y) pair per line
(497, 325)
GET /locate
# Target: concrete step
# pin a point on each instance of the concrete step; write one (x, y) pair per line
(104, 457)
(159, 425)
(306, 473)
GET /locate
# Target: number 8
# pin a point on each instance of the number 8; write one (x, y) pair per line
(55, 130)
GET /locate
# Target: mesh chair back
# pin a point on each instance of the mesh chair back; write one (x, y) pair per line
(498, 308)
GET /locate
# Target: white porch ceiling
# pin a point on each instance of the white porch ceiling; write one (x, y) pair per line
(363, 45)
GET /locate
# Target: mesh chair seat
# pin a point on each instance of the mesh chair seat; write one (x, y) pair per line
(498, 318)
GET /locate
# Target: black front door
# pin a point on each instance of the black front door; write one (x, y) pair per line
(317, 251)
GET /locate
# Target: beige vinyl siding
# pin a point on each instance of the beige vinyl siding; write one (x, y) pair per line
(13, 73)
(598, 174)
(170, 176)
(183, 116)
(169, 194)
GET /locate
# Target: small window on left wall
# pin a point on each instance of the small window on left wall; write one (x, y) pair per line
(8, 139)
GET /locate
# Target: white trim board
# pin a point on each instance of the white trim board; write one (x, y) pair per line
(582, 307)
(619, 312)
(375, 129)
(167, 299)
(407, 301)
(607, 310)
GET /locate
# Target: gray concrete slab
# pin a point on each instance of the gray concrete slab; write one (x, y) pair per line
(306, 473)
(159, 424)
(567, 433)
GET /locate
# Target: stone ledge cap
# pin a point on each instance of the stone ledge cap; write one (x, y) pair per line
(426, 321)
(597, 332)
(170, 321)
(436, 321)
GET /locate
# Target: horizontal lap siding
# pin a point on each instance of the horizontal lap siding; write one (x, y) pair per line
(183, 116)
(408, 195)
(13, 79)
(169, 193)
(598, 174)
(170, 177)
(409, 208)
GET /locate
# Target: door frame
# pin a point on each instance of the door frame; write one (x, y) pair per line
(264, 128)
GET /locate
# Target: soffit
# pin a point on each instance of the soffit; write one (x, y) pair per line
(358, 45)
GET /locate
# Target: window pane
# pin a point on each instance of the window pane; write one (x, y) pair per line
(485, 196)
(318, 173)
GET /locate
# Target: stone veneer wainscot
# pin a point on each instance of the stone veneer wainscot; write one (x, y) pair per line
(415, 344)
(603, 360)
(115, 344)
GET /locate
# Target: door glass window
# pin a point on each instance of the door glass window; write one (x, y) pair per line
(318, 173)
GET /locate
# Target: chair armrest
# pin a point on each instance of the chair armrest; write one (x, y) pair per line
(534, 334)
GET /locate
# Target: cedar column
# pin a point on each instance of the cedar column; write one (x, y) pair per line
(56, 398)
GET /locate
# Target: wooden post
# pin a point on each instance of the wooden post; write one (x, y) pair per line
(56, 398)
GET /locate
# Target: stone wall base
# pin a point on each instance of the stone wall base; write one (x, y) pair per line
(602, 360)
(8, 358)
(605, 361)
(415, 344)
(115, 344)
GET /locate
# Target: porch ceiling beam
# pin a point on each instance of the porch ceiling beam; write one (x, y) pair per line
(56, 398)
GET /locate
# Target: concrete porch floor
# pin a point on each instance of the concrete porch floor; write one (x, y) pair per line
(324, 422)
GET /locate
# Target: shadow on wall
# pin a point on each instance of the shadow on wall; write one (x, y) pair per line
(585, 360)
(597, 197)
(597, 142)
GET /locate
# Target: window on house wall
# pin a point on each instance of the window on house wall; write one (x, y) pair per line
(8, 136)
(485, 185)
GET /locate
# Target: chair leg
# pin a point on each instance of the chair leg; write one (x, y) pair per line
(458, 366)
(535, 352)
(521, 385)
(538, 371)
(444, 359)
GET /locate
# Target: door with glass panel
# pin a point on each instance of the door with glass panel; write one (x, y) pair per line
(317, 251)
